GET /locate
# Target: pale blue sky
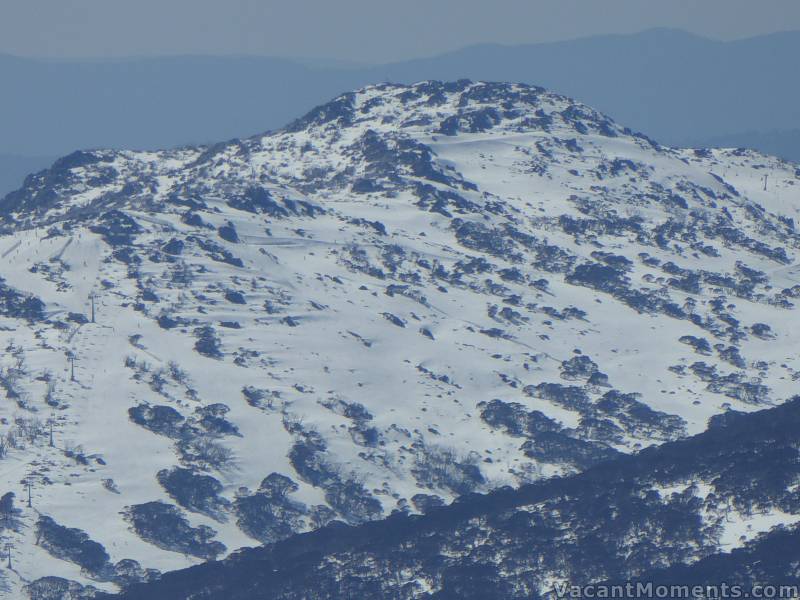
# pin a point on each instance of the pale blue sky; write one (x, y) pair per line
(359, 30)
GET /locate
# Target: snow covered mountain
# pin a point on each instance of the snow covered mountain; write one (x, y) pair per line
(409, 294)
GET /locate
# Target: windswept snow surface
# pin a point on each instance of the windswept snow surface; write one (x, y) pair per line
(411, 293)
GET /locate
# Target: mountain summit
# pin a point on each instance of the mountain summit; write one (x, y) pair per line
(411, 293)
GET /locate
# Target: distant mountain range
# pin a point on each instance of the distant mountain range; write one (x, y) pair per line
(676, 87)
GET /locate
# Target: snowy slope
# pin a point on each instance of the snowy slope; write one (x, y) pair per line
(411, 293)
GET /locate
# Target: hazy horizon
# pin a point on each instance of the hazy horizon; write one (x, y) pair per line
(328, 62)
(316, 30)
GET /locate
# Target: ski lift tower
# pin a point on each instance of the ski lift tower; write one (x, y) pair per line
(92, 298)
(71, 358)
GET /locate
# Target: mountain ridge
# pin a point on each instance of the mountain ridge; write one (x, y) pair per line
(179, 99)
(411, 293)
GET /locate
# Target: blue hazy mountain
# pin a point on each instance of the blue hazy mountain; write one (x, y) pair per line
(53, 107)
